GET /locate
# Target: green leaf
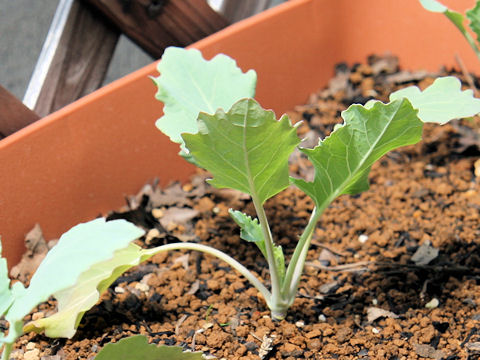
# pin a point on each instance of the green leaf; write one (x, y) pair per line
(343, 160)
(433, 6)
(79, 249)
(250, 230)
(474, 16)
(137, 348)
(73, 302)
(245, 149)
(189, 84)
(442, 101)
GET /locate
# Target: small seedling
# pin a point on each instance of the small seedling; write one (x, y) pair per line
(210, 112)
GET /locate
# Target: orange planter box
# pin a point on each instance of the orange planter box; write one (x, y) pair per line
(82, 160)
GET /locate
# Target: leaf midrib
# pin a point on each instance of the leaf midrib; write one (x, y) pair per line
(337, 192)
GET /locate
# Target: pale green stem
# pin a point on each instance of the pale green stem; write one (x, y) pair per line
(7, 349)
(469, 39)
(277, 307)
(296, 264)
(222, 256)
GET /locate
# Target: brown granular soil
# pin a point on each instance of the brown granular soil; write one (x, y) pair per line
(374, 285)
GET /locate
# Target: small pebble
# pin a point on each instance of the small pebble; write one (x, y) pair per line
(152, 234)
(375, 302)
(375, 331)
(17, 354)
(119, 290)
(477, 168)
(432, 304)
(207, 326)
(32, 355)
(251, 346)
(300, 324)
(142, 287)
(157, 213)
(322, 318)
(30, 346)
(363, 238)
(187, 187)
(38, 315)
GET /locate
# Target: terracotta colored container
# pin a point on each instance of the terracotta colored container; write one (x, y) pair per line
(82, 160)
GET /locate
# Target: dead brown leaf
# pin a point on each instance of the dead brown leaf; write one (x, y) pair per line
(37, 249)
(374, 313)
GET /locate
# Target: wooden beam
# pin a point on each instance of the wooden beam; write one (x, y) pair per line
(236, 10)
(157, 24)
(13, 114)
(76, 58)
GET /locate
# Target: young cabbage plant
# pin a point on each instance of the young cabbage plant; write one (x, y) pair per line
(458, 20)
(68, 273)
(246, 148)
(85, 262)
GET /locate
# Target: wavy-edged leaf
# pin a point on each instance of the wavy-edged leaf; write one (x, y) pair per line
(442, 101)
(78, 250)
(188, 84)
(343, 160)
(245, 149)
(474, 16)
(250, 230)
(137, 348)
(73, 302)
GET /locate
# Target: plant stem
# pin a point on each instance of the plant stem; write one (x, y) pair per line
(277, 306)
(7, 349)
(219, 254)
(472, 43)
(297, 262)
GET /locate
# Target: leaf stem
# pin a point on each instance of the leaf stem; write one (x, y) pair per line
(277, 305)
(219, 254)
(297, 262)
(472, 43)
(7, 349)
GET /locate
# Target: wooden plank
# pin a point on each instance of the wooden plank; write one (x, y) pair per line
(155, 25)
(80, 61)
(235, 10)
(13, 114)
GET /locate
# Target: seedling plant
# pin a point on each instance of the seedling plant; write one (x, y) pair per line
(209, 110)
(221, 128)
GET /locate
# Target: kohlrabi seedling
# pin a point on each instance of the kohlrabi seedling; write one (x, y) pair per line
(75, 272)
(245, 148)
(210, 112)
(85, 262)
(458, 20)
